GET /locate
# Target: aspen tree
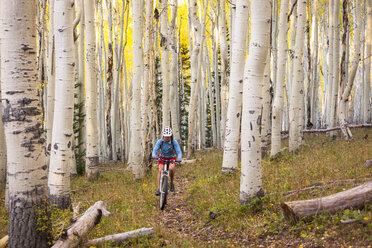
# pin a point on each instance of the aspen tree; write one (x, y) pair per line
(145, 111)
(195, 73)
(224, 67)
(173, 90)
(280, 80)
(335, 64)
(60, 159)
(91, 122)
(251, 172)
(81, 76)
(314, 63)
(330, 60)
(296, 110)
(164, 44)
(367, 73)
(51, 81)
(135, 152)
(2, 148)
(231, 145)
(345, 95)
(23, 126)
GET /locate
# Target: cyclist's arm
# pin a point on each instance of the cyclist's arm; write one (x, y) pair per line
(156, 149)
(178, 149)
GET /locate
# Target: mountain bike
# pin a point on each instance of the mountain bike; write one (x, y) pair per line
(164, 180)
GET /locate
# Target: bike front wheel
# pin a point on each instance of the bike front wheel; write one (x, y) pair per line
(163, 192)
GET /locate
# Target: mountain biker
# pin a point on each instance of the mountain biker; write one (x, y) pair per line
(168, 149)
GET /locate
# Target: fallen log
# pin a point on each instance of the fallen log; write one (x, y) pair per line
(72, 236)
(355, 197)
(334, 128)
(4, 241)
(121, 237)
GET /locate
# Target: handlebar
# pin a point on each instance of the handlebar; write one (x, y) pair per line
(163, 160)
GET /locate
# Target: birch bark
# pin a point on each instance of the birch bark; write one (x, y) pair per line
(367, 75)
(173, 90)
(296, 110)
(145, 111)
(231, 146)
(135, 116)
(330, 60)
(345, 95)
(91, 160)
(51, 81)
(280, 80)
(23, 125)
(2, 147)
(194, 82)
(251, 172)
(164, 42)
(224, 67)
(59, 173)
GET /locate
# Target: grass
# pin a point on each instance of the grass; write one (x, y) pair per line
(133, 205)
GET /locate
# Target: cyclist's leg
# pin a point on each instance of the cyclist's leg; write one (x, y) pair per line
(161, 166)
(172, 171)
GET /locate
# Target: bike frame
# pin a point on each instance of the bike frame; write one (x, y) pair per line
(164, 173)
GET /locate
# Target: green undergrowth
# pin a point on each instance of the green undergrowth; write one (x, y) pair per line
(322, 160)
(132, 204)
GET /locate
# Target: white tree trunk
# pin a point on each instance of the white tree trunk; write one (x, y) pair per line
(195, 72)
(2, 147)
(251, 172)
(51, 81)
(330, 60)
(314, 63)
(147, 83)
(345, 95)
(280, 80)
(82, 95)
(224, 67)
(367, 74)
(173, 90)
(135, 152)
(91, 124)
(336, 64)
(164, 41)
(231, 146)
(61, 150)
(297, 95)
(23, 125)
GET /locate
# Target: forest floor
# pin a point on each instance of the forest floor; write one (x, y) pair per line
(204, 211)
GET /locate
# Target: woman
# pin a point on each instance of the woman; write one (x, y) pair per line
(168, 149)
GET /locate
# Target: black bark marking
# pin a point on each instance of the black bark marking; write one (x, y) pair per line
(55, 146)
(14, 92)
(49, 147)
(253, 138)
(251, 112)
(44, 167)
(69, 144)
(17, 132)
(237, 115)
(98, 218)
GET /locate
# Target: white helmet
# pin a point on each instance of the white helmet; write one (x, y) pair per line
(167, 131)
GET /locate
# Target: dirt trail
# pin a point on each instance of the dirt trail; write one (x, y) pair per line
(177, 219)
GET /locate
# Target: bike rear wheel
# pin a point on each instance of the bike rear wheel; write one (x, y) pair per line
(163, 192)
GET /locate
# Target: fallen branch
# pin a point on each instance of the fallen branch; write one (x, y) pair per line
(121, 237)
(4, 241)
(298, 191)
(342, 182)
(355, 197)
(334, 128)
(72, 236)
